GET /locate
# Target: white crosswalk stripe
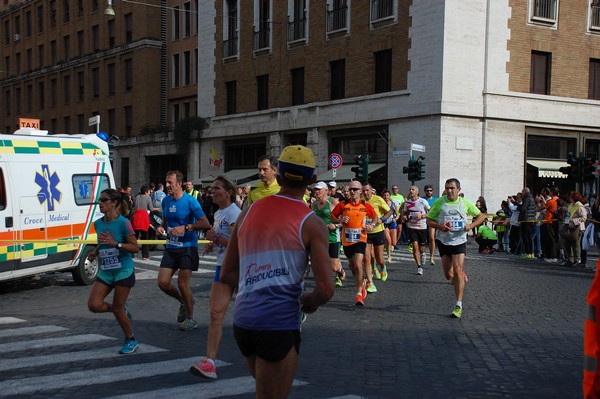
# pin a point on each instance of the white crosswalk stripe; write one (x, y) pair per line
(28, 384)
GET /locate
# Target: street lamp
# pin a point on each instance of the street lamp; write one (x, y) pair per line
(109, 10)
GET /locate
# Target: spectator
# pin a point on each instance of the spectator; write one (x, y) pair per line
(486, 238)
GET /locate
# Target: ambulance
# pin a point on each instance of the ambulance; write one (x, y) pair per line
(49, 186)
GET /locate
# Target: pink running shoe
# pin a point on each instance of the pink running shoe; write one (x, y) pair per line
(204, 369)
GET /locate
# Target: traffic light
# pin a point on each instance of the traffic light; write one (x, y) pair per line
(415, 169)
(361, 172)
(589, 169)
(420, 169)
(577, 167)
(568, 170)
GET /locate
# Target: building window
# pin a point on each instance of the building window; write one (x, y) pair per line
(29, 60)
(337, 15)
(128, 74)
(297, 86)
(96, 38)
(80, 86)
(52, 13)
(176, 23)
(41, 95)
(112, 83)
(80, 43)
(262, 24)
(338, 79)
(29, 98)
(18, 100)
(67, 47)
(186, 110)
(80, 123)
(96, 82)
(541, 68)
(28, 24)
(80, 4)
(66, 11)
(230, 29)
(262, 90)
(231, 96)
(66, 89)
(187, 68)
(544, 10)
(128, 28)
(175, 114)
(7, 102)
(187, 20)
(297, 23)
(242, 154)
(67, 124)
(128, 110)
(40, 19)
(111, 34)
(175, 70)
(595, 15)
(6, 32)
(111, 121)
(41, 58)
(53, 52)
(382, 9)
(53, 92)
(594, 83)
(195, 63)
(383, 71)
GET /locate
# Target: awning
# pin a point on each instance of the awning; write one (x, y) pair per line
(344, 172)
(549, 168)
(238, 176)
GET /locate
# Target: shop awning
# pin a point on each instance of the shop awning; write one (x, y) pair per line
(548, 168)
(344, 172)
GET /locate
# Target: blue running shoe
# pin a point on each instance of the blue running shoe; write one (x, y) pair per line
(129, 346)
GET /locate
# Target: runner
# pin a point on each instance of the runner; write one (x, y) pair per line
(353, 216)
(323, 207)
(375, 238)
(268, 185)
(449, 216)
(414, 212)
(431, 232)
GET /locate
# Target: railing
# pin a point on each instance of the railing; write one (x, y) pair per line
(337, 19)
(297, 30)
(262, 39)
(230, 47)
(545, 9)
(381, 9)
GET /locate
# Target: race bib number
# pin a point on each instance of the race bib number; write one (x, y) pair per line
(412, 216)
(109, 259)
(352, 235)
(455, 223)
(173, 240)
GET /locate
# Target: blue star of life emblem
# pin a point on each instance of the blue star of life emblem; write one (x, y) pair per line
(48, 190)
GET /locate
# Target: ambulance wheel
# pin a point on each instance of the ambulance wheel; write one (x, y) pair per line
(86, 271)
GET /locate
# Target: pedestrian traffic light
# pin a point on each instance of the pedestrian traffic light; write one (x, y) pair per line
(412, 170)
(361, 172)
(589, 170)
(420, 169)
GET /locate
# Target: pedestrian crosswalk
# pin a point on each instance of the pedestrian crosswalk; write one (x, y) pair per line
(41, 360)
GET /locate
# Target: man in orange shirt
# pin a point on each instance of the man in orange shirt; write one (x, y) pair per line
(352, 215)
(547, 230)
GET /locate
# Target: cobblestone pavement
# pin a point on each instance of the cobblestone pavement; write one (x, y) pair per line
(521, 336)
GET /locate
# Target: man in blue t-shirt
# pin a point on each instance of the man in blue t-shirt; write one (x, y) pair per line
(182, 217)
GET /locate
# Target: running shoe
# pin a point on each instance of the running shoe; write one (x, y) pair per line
(129, 346)
(204, 369)
(128, 313)
(376, 273)
(188, 325)
(389, 259)
(371, 288)
(181, 314)
(364, 289)
(420, 271)
(456, 312)
(432, 262)
(302, 317)
(465, 276)
(410, 248)
(359, 301)
(384, 274)
(338, 281)
(423, 258)
(341, 273)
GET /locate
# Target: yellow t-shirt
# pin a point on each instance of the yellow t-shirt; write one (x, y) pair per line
(260, 190)
(381, 208)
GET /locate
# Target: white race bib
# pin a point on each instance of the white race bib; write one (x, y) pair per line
(455, 223)
(352, 235)
(173, 239)
(109, 259)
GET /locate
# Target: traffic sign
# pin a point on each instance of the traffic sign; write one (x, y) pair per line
(335, 161)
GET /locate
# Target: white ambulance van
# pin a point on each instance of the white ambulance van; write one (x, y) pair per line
(49, 186)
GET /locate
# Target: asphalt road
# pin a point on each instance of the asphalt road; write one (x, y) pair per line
(521, 336)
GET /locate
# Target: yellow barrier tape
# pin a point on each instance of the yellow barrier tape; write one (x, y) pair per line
(76, 241)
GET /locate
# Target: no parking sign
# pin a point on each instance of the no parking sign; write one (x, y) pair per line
(335, 161)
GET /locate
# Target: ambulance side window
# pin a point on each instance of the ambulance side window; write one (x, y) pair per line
(2, 191)
(87, 187)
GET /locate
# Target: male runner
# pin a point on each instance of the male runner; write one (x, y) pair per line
(375, 238)
(414, 212)
(430, 198)
(268, 185)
